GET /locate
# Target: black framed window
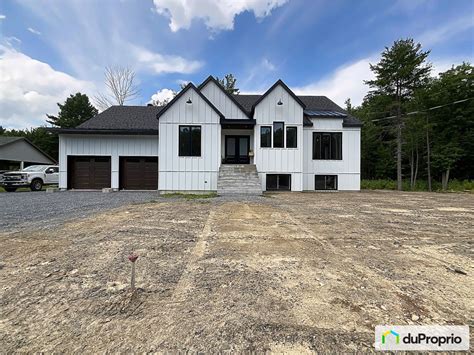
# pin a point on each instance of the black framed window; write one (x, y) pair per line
(325, 182)
(327, 146)
(189, 141)
(291, 137)
(278, 133)
(278, 182)
(266, 136)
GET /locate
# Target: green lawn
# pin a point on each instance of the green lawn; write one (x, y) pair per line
(189, 196)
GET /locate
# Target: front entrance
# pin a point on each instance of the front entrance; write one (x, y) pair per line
(237, 149)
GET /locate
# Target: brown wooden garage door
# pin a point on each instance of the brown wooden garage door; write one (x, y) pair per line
(139, 173)
(88, 172)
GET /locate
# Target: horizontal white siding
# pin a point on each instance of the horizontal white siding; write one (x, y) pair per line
(222, 102)
(104, 145)
(347, 169)
(189, 173)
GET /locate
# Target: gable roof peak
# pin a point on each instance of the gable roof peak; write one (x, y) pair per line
(285, 87)
(190, 85)
(230, 96)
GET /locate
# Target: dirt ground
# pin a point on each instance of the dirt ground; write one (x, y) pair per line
(287, 273)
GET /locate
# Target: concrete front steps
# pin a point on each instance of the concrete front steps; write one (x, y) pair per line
(238, 179)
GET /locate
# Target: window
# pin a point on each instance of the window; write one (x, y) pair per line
(266, 136)
(278, 182)
(278, 133)
(327, 146)
(325, 182)
(189, 141)
(291, 133)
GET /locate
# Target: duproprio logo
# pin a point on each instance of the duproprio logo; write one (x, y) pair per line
(395, 334)
(422, 337)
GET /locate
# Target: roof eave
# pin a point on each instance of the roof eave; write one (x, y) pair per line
(103, 131)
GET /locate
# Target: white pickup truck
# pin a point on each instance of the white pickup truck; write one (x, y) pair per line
(34, 177)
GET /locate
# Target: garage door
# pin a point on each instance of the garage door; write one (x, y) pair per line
(139, 173)
(89, 172)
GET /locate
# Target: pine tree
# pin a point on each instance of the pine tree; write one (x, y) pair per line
(74, 111)
(401, 70)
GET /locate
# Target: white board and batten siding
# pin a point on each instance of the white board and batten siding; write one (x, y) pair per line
(114, 146)
(347, 169)
(222, 102)
(280, 160)
(189, 173)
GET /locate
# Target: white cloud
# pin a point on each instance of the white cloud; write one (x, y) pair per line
(32, 30)
(163, 95)
(268, 65)
(182, 82)
(217, 15)
(29, 89)
(102, 38)
(447, 31)
(160, 63)
(2, 17)
(346, 81)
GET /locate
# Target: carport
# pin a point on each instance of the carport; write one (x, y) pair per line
(16, 152)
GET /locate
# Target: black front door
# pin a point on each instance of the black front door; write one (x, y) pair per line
(237, 149)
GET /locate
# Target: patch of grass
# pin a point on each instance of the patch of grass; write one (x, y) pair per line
(20, 189)
(421, 185)
(189, 196)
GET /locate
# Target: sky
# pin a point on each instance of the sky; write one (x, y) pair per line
(50, 49)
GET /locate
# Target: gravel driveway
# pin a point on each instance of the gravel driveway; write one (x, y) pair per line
(44, 210)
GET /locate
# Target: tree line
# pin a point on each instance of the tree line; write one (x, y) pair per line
(417, 126)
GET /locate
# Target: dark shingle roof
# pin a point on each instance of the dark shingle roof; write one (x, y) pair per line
(145, 117)
(311, 102)
(125, 117)
(247, 101)
(314, 103)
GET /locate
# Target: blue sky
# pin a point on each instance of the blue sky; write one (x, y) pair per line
(49, 49)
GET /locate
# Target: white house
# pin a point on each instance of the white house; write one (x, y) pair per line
(206, 139)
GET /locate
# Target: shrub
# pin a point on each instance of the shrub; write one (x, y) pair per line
(421, 185)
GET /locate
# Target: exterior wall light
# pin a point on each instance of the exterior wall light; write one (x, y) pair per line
(279, 103)
(189, 102)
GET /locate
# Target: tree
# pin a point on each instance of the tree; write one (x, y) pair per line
(348, 105)
(401, 70)
(452, 124)
(120, 82)
(228, 82)
(75, 110)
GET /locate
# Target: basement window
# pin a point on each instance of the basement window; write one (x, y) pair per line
(189, 141)
(325, 182)
(278, 182)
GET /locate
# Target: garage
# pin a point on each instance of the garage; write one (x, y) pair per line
(138, 173)
(92, 173)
